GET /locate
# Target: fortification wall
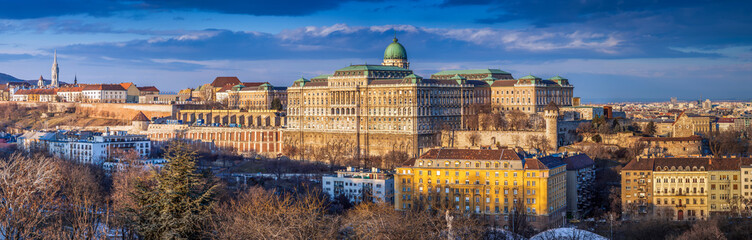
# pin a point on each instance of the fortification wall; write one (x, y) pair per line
(462, 139)
(124, 111)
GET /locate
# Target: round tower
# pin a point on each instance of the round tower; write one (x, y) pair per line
(395, 55)
(551, 115)
(140, 122)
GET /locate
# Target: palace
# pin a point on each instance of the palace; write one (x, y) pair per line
(375, 109)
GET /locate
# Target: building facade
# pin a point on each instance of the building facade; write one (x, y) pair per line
(104, 93)
(360, 185)
(682, 188)
(379, 108)
(489, 182)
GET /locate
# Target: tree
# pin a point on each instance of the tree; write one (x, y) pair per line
(29, 188)
(265, 214)
(84, 207)
(723, 143)
(277, 104)
(124, 192)
(179, 203)
(517, 119)
(473, 138)
(702, 231)
(650, 129)
(536, 122)
(393, 158)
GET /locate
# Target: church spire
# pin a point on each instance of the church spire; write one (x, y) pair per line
(55, 71)
(40, 82)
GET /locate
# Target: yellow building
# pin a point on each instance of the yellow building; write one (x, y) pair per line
(484, 181)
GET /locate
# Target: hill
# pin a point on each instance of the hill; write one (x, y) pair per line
(5, 78)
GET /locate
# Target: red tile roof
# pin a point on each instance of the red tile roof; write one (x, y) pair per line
(103, 87)
(37, 91)
(126, 85)
(223, 81)
(148, 89)
(471, 154)
(70, 89)
(140, 117)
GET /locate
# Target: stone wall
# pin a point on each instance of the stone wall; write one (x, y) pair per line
(510, 139)
(625, 139)
(124, 111)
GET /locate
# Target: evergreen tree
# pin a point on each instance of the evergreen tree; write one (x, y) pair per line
(650, 128)
(276, 104)
(179, 203)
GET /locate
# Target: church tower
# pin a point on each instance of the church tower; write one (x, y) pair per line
(395, 55)
(40, 82)
(55, 72)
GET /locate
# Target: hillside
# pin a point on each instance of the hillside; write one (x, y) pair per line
(5, 78)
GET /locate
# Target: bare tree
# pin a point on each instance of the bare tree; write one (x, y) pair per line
(84, 208)
(538, 142)
(723, 143)
(473, 138)
(517, 119)
(29, 188)
(702, 231)
(536, 122)
(263, 214)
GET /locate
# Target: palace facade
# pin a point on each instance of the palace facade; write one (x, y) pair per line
(375, 109)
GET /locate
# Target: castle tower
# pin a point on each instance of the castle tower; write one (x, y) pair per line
(551, 115)
(55, 71)
(395, 55)
(140, 122)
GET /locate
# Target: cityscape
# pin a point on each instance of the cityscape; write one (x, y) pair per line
(175, 120)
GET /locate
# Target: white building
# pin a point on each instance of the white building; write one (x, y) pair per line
(360, 185)
(70, 94)
(86, 147)
(104, 93)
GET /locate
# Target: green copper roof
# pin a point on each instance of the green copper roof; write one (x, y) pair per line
(471, 71)
(395, 50)
(302, 79)
(557, 77)
(323, 76)
(490, 78)
(265, 86)
(372, 68)
(458, 77)
(529, 77)
(412, 78)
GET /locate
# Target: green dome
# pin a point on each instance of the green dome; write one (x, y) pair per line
(395, 50)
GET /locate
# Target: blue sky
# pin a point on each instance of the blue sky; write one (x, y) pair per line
(610, 50)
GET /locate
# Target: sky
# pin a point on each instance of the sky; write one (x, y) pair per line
(635, 50)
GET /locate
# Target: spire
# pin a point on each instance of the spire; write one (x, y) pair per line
(40, 82)
(75, 80)
(55, 71)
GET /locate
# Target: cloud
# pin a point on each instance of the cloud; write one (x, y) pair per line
(28, 9)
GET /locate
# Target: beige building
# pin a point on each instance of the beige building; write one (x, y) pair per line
(687, 125)
(531, 94)
(673, 146)
(681, 188)
(375, 109)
